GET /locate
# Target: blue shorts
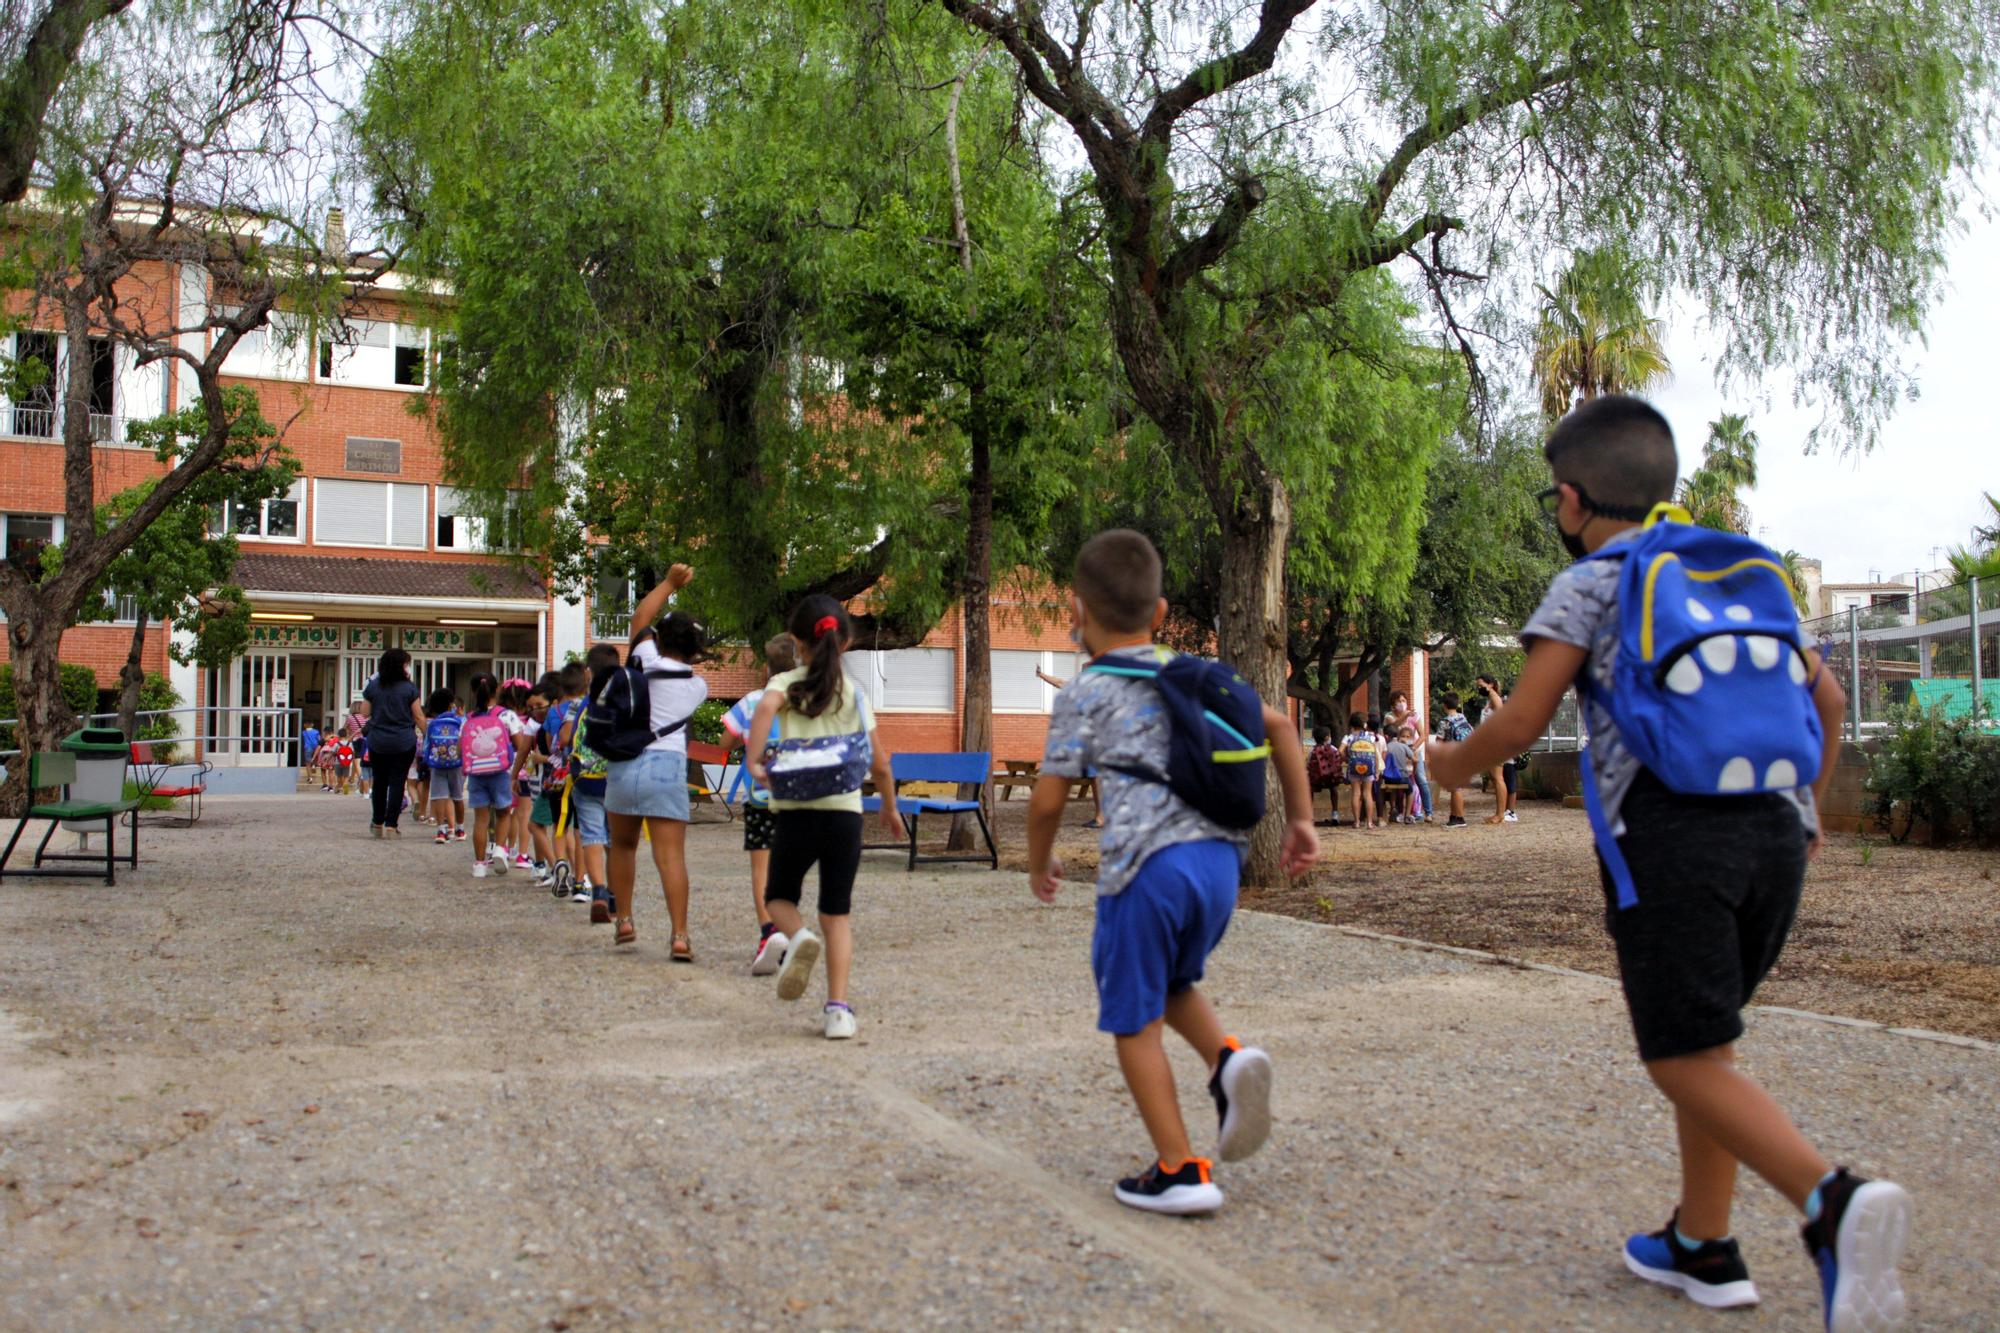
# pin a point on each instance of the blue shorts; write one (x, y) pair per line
(1154, 937)
(489, 791)
(588, 813)
(654, 785)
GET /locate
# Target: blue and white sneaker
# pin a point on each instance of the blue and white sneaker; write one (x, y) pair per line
(1711, 1273)
(1855, 1242)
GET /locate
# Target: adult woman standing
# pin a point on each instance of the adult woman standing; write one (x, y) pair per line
(395, 721)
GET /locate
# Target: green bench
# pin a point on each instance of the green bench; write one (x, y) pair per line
(59, 770)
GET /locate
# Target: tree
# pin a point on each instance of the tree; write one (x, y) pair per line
(179, 150)
(1593, 336)
(1485, 556)
(1981, 560)
(1713, 492)
(1795, 576)
(650, 230)
(177, 571)
(1750, 158)
(38, 58)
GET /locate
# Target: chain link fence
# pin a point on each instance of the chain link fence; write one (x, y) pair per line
(1938, 648)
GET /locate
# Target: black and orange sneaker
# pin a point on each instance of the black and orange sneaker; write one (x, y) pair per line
(1241, 1087)
(1185, 1191)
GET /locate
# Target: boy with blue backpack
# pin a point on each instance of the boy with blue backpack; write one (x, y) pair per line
(1179, 745)
(1709, 721)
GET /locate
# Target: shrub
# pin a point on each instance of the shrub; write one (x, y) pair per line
(79, 694)
(158, 695)
(1938, 771)
(706, 725)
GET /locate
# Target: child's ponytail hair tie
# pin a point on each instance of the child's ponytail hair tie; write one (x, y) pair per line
(825, 626)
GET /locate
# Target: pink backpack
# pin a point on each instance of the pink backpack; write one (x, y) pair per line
(484, 744)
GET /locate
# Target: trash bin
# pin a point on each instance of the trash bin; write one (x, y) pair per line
(100, 753)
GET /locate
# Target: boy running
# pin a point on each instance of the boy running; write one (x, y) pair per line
(1717, 881)
(1166, 883)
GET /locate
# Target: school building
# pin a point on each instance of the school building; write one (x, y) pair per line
(371, 549)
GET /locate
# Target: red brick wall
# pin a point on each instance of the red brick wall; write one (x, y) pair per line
(103, 647)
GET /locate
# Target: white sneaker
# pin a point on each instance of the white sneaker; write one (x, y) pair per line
(770, 950)
(479, 870)
(797, 968)
(839, 1022)
(498, 851)
(579, 894)
(499, 863)
(1510, 818)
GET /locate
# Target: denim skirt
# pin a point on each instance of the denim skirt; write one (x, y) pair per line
(654, 785)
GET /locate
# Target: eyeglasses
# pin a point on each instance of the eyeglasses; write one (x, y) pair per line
(1550, 500)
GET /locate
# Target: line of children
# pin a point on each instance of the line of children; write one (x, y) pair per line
(1714, 882)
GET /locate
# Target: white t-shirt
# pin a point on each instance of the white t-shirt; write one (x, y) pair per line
(672, 700)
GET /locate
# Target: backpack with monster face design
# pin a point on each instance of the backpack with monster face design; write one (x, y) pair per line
(1712, 691)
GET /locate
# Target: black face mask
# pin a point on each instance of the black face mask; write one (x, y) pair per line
(1572, 541)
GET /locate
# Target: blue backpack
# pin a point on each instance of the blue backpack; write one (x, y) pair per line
(1216, 748)
(1711, 691)
(441, 742)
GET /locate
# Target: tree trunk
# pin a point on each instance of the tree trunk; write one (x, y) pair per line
(1252, 631)
(132, 678)
(978, 612)
(38, 702)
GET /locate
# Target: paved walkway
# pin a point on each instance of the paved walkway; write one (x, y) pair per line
(289, 1077)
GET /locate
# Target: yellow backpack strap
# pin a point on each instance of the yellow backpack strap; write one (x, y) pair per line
(1666, 511)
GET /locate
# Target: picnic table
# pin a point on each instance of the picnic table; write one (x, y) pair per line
(1012, 773)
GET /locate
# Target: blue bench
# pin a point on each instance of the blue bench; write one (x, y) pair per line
(966, 768)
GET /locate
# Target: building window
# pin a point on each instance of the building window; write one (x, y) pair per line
(410, 355)
(38, 414)
(1018, 684)
(271, 520)
(366, 455)
(376, 354)
(460, 528)
(369, 513)
(27, 536)
(612, 598)
(907, 680)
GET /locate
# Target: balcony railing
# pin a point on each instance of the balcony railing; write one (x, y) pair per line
(45, 423)
(610, 622)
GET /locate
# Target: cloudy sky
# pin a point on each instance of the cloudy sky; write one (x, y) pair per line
(1919, 492)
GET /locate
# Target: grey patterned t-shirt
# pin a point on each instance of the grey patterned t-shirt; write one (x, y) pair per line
(1100, 721)
(1581, 609)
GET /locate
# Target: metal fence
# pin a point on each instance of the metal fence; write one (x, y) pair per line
(232, 736)
(1938, 648)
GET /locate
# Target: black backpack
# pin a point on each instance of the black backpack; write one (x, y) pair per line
(1216, 750)
(618, 721)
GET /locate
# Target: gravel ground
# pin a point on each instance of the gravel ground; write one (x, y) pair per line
(288, 1077)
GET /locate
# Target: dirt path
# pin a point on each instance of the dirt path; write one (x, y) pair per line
(289, 1077)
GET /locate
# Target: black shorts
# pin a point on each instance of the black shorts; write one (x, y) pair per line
(760, 828)
(1510, 775)
(830, 839)
(1718, 881)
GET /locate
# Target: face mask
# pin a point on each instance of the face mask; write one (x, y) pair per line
(1572, 541)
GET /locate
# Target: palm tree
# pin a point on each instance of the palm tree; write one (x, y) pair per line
(1731, 450)
(1795, 574)
(1713, 493)
(1593, 338)
(1980, 561)
(1711, 499)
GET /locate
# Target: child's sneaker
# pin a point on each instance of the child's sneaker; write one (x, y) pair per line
(1855, 1242)
(1241, 1087)
(1510, 818)
(1185, 1191)
(1712, 1273)
(441, 839)
(797, 969)
(579, 894)
(545, 880)
(769, 950)
(479, 870)
(839, 1021)
(521, 862)
(1454, 822)
(459, 834)
(499, 860)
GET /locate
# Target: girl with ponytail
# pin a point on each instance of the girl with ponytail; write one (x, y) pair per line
(818, 713)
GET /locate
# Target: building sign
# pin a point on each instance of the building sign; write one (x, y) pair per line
(429, 640)
(296, 636)
(367, 638)
(364, 455)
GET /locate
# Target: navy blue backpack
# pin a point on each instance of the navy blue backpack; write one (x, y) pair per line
(1711, 691)
(1216, 749)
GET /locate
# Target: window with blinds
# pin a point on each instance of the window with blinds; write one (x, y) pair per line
(1016, 687)
(369, 513)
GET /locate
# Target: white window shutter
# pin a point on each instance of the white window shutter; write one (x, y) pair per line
(919, 680)
(410, 515)
(351, 512)
(1016, 689)
(864, 672)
